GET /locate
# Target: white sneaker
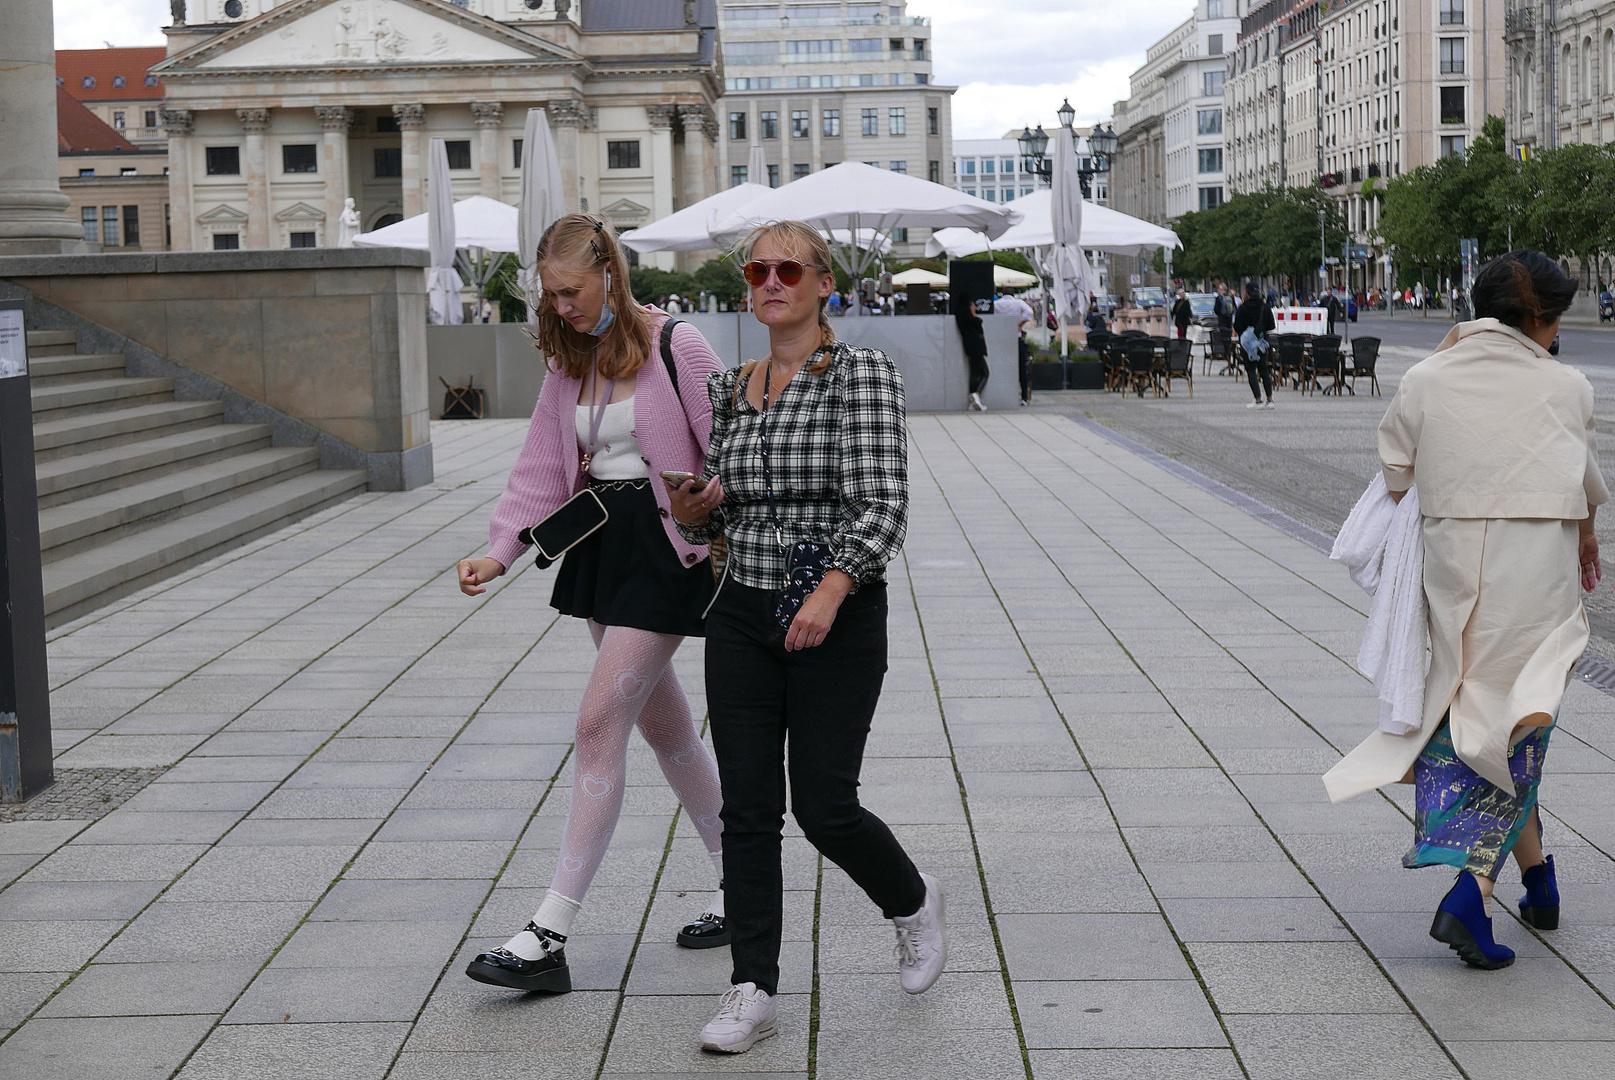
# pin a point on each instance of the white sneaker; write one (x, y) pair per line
(922, 948)
(746, 1016)
(1269, 405)
(1254, 405)
(975, 403)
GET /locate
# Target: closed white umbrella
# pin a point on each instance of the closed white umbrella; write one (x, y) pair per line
(542, 202)
(1073, 277)
(443, 282)
(757, 166)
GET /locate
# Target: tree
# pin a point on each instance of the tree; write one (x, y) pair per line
(649, 284)
(1012, 259)
(1272, 232)
(722, 279)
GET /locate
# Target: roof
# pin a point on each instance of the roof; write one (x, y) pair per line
(77, 128)
(106, 67)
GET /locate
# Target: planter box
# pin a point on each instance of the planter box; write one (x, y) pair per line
(1086, 375)
(1046, 376)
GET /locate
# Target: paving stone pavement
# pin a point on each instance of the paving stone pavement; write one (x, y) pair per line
(1110, 698)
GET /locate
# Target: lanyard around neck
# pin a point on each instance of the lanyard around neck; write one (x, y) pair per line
(597, 413)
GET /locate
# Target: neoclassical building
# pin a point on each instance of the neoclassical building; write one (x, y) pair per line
(1561, 72)
(278, 110)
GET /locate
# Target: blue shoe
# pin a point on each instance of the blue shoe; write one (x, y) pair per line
(1461, 921)
(1540, 904)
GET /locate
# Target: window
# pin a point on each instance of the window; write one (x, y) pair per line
(933, 171)
(773, 176)
(919, 48)
(1213, 83)
(226, 241)
(871, 119)
(801, 120)
(900, 235)
(1452, 56)
(151, 118)
(987, 166)
(800, 170)
(897, 121)
(737, 175)
(223, 160)
(389, 161)
(622, 154)
(151, 80)
(1452, 104)
(812, 51)
(516, 153)
(970, 191)
(1213, 9)
(831, 127)
(126, 170)
(922, 79)
(1452, 146)
(1211, 159)
(769, 122)
(88, 82)
(302, 239)
(1210, 198)
(752, 52)
(118, 82)
(900, 167)
(1452, 12)
(386, 125)
(970, 166)
(1006, 166)
(895, 44)
(232, 9)
(990, 194)
(459, 153)
(931, 121)
(864, 45)
(131, 226)
(1009, 193)
(298, 158)
(118, 120)
(1210, 121)
(86, 172)
(92, 234)
(1213, 44)
(737, 126)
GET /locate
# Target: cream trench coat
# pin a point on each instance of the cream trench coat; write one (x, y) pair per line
(1499, 435)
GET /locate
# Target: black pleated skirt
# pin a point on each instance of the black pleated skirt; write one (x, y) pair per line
(627, 574)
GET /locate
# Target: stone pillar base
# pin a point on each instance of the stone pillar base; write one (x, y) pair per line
(34, 246)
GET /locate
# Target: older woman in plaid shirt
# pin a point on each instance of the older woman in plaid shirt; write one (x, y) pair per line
(811, 446)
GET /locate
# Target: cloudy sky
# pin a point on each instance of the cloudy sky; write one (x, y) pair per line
(1013, 63)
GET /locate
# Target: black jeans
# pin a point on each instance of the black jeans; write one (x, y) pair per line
(1252, 367)
(815, 704)
(978, 371)
(1024, 352)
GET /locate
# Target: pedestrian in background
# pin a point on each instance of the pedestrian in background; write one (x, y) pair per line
(807, 477)
(1182, 314)
(1024, 318)
(973, 336)
(1224, 307)
(1252, 323)
(1498, 437)
(608, 414)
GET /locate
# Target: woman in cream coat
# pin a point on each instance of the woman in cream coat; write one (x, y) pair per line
(1498, 435)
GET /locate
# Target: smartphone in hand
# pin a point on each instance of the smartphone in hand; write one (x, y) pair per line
(677, 479)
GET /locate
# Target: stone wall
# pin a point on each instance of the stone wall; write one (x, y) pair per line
(331, 340)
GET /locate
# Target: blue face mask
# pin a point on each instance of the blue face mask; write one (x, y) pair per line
(607, 316)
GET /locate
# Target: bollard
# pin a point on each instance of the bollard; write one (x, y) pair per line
(25, 750)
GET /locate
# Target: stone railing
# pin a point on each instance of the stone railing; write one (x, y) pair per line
(326, 345)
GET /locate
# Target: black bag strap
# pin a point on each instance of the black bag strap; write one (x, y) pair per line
(667, 354)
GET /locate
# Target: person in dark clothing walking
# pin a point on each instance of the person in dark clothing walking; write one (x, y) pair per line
(1224, 307)
(1252, 323)
(1182, 314)
(974, 337)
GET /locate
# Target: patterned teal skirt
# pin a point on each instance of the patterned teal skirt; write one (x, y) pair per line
(1461, 819)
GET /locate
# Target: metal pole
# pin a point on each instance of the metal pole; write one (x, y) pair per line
(25, 750)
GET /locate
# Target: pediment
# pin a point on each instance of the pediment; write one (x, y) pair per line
(364, 34)
(300, 212)
(626, 213)
(222, 213)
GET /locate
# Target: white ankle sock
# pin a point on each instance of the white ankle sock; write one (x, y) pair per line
(556, 913)
(715, 904)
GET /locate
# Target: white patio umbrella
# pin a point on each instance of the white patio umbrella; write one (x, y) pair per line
(919, 275)
(443, 282)
(856, 196)
(1066, 261)
(689, 229)
(1103, 229)
(541, 203)
(479, 222)
(1006, 278)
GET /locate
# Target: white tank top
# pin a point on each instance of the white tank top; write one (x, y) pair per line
(617, 454)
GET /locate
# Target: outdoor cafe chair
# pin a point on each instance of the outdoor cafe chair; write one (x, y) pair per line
(1116, 363)
(1179, 365)
(1291, 356)
(1326, 360)
(1217, 345)
(1364, 354)
(1141, 365)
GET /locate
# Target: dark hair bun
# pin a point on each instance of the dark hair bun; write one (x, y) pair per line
(1522, 283)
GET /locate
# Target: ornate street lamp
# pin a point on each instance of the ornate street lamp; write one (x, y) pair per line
(1065, 113)
(1034, 147)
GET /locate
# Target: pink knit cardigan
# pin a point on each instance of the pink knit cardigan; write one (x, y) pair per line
(672, 431)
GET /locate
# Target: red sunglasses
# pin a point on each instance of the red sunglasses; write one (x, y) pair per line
(789, 272)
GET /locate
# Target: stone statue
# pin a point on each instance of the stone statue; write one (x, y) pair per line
(347, 224)
(346, 26)
(176, 8)
(390, 41)
(561, 8)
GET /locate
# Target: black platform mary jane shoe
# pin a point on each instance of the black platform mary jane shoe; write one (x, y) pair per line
(708, 932)
(548, 974)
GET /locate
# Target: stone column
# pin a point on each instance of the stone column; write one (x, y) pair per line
(490, 117)
(663, 180)
(181, 193)
(567, 118)
(411, 119)
(335, 120)
(33, 210)
(694, 122)
(255, 122)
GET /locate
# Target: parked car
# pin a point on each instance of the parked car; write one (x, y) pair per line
(1203, 305)
(1148, 296)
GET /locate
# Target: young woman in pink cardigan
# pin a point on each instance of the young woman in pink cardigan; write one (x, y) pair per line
(610, 417)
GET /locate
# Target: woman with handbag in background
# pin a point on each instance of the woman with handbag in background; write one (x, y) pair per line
(624, 398)
(808, 479)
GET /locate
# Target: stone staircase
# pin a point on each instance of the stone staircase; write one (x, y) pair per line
(134, 485)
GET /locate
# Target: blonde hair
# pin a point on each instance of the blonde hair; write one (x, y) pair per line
(583, 240)
(803, 241)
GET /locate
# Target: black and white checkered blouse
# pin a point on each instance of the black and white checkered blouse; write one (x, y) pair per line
(838, 454)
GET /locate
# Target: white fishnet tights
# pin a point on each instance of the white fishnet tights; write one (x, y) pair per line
(633, 683)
